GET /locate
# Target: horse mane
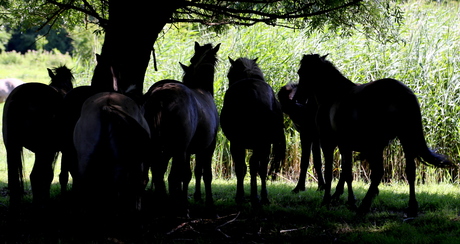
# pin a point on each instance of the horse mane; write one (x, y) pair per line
(61, 78)
(326, 68)
(201, 54)
(244, 68)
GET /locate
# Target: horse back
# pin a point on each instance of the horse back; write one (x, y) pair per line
(379, 110)
(30, 116)
(170, 110)
(251, 112)
(111, 138)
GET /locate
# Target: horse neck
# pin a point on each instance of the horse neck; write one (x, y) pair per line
(61, 88)
(201, 78)
(336, 86)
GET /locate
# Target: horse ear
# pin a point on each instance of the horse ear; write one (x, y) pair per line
(255, 60)
(50, 73)
(231, 60)
(216, 49)
(197, 45)
(323, 58)
(184, 67)
(98, 58)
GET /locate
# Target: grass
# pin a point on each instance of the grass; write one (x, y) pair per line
(290, 218)
(427, 61)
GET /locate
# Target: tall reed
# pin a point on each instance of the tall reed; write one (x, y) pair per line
(427, 60)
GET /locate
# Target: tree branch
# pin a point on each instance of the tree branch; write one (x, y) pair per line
(248, 16)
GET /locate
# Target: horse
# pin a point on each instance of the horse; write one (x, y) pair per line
(251, 118)
(364, 118)
(303, 117)
(30, 120)
(6, 87)
(111, 139)
(184, 120)
(71, 109)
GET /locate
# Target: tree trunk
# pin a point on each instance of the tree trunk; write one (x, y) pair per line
(132, 30)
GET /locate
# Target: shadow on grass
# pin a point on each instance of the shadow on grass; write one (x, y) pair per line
(290, 218)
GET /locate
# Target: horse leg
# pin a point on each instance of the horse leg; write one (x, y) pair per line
(238, 155)
(375, 160)
(328, 163)
(205, 160)
(316, 151)
(264, 158)
(346, 176)
(412, 209)
(64, 175)
(175, 175)
(15, 174)
(175, 180)
(158, 169)
(306, 144)
(186, 178)
(42, 176)
(254, 165)
(198, 173)
(69, 164)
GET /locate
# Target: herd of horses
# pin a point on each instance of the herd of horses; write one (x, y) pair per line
(110, 139)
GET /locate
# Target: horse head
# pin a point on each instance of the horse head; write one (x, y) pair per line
(200, 72)
(244, 68)
(61, 79)
(314, 71)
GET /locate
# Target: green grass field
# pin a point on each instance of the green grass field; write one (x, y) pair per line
(427, 60)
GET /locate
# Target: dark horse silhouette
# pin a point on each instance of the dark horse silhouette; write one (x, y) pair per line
(71, 108)
(364, 118)
(251, 118)
(30, 120)
(303, 117)
(183, 119)
(111, 139)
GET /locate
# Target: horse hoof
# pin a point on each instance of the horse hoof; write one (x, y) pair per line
(209, 203)
(352, 204)
(352, 207)
(410, 213)
(197, 198)
(298, 189)
(326, 204)
(265, 201)
(240, 200)
(363, 210)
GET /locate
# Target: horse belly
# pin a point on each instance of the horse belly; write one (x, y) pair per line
(362, 128)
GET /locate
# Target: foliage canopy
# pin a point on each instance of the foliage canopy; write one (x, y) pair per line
(375, 18)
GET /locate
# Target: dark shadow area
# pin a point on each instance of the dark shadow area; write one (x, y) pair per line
(290, 218)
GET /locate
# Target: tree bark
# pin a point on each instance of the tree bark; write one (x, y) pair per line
(132, 30)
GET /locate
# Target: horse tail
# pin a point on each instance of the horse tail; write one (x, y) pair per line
(279, 153)
(137, 137)
(431, 158)
(413, 138)
(120, 117)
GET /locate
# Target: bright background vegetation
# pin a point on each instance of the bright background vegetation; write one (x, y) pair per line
(427, 59)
